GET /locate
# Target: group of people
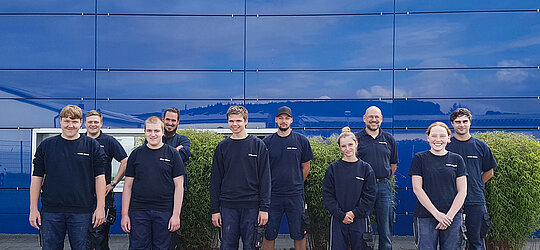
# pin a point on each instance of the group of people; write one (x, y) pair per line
(254, 182)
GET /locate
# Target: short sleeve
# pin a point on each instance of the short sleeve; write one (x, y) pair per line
(394, 154)
(461, 168)
(179, 168)
(130, 168)
(488, 161)
(416, 166)
(118, 151)
(307, 152)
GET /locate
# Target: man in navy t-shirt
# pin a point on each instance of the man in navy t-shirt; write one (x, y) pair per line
(290, 156)
(69, 169)
(153, 191)
(99, 238)
(239, 183)
(480, 164)
(379, 149)
(171, 118)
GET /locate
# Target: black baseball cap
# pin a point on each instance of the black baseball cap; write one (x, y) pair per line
(284, 110)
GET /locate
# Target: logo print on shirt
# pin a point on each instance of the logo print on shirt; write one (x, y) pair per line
(83, 154)
(383, 142)
(163, 159)
(359, 178)
(451, 165)
(252, 155)
(291, 148)
(101, 146)
(472, 156)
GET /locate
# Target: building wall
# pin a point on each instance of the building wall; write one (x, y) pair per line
(328, 60)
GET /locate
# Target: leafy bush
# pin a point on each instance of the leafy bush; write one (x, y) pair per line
(513, 194)
(325, 151)
(196, 222)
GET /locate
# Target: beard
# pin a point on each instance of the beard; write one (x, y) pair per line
(170, 133)
(373, 128)
(283, 129)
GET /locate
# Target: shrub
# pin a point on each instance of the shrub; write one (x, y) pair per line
(196, 222)
(325, 151)
(513, 194)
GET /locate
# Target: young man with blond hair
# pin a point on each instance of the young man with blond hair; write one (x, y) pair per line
(99, 238)
(239, 183)
(153, 191)
(69, 169)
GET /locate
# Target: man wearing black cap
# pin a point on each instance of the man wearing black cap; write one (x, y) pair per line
(290, 156)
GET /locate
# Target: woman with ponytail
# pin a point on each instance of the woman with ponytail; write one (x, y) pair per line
(349, 195)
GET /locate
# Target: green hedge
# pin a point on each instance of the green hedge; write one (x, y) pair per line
(196, 222)
(325, 151)
(513, 194)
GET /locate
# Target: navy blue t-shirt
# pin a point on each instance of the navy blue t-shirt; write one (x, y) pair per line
(286, 157)
(379, 152)
(478, 158)
(349, 186)
(153, 171)
(178, 140)
(240, 176)
(69, 168)
(113, 149)
(439, 174)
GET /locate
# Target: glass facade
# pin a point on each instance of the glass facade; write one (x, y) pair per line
(329, 61)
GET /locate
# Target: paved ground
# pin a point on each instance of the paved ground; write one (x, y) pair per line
(31, 241)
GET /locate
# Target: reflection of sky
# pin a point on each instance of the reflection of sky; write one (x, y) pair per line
(47, 42)
(319, 42)
(461, 40)
(170, 42)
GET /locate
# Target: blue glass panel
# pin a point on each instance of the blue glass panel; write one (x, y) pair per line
(170, 42)
(172, 6)
(319, 85)
(36, 113)
(404, 226)
(490, 113)
(326, 42)
(47, 42)
(193, 114)
(47, 84)
(18, 224)
(48, 6)
(324, 117)
(19, 200)
(405, 200)
(317, 7)
(466, 40)
(170, 84)
(15, 158)
(467, 83)
(442, 5)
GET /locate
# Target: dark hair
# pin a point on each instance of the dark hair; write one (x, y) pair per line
(460, 112)
(172, 110)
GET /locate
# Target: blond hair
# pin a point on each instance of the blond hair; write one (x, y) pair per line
(93, 113)
(346, 132)
(72, 112)
(154, 120)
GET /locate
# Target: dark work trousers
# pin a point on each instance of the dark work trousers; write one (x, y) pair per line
(236, 223)
(98, 238)
(474, 216)
(344, 235)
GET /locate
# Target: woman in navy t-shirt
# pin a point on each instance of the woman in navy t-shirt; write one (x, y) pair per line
(439, 181)
(348, 194)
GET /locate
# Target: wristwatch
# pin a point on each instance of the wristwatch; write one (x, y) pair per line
(113, 183)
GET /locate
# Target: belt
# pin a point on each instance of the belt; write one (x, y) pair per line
(382, 179)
